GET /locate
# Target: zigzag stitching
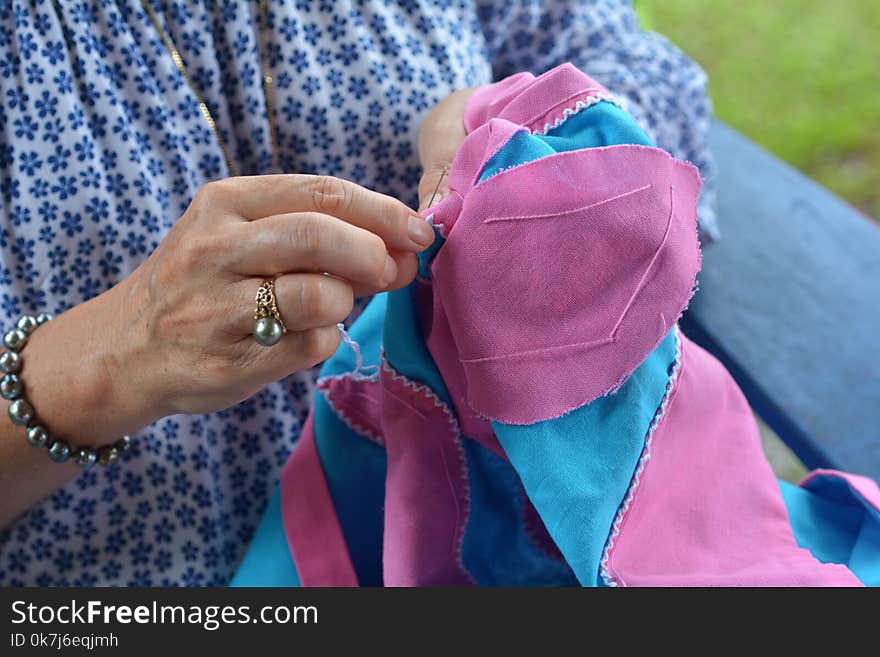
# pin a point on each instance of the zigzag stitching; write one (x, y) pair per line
(579, 106)
(604, 571)
(457, 436)
(347, 420)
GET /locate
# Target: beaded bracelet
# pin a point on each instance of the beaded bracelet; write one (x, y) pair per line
(22, 413)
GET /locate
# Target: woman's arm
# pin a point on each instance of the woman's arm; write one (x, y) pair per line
(74, 376)
(176, 335)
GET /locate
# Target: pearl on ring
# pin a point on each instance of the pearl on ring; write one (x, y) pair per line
(268, 331)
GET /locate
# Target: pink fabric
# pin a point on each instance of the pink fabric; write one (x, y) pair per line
(584, 318)
(531, 101)
(313, 533)
(866, 488)
(357, 401)
(426, 498)
(623, 264)
(442, 347)
(708, 510)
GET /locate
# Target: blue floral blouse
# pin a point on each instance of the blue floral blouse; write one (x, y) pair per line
(102, 146)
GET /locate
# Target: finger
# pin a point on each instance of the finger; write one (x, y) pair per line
(297, 351)
(312, 242)
(407, 268)
(433, 187)
(305, 301)
(256, 197)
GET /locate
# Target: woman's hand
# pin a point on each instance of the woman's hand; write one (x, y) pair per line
(440, 135)
(192, 302)
(175, 336)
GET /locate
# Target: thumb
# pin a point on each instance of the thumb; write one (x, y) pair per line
(433, 186)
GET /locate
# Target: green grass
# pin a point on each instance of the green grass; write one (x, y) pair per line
(800, 77)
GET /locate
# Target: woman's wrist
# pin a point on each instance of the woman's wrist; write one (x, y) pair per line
(74, 374)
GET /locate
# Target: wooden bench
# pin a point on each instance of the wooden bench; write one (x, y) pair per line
(789, 301)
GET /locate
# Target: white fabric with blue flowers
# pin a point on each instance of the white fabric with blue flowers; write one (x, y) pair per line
(102, 146)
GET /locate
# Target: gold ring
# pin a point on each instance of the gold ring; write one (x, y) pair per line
(268, 325)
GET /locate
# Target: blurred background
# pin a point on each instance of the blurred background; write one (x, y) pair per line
(802, 79)
(799, 77)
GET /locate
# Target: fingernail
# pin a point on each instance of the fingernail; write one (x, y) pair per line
(420, 232)
(390, 272)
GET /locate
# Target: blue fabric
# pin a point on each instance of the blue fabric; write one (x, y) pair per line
(495, 519)
(268, 561)
(602, 124)
(836, 525)
(354, 466)
(577, 468)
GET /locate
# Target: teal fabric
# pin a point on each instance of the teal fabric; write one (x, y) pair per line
(836, 525)
(577, 468)
(354, 466)
(405, 347)
(602, 124)
(268, 561)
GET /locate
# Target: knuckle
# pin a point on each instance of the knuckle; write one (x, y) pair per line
(312, 297)
(330, 194)
(198, 251)
(388, 219)
(215, 192)
(308, 234)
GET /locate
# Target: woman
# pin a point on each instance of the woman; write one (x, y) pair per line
(124, 214)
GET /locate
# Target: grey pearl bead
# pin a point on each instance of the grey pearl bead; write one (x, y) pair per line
(11, 386)
(86, 458)
(42, 318)
(27, 323)
(37, 436)
(267, 331)
(10, 362)
(15, 339)
(59, 451)
(107, 455)
(123, 444)
(21, 412)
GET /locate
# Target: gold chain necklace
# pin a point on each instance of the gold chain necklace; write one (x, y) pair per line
(203, 106)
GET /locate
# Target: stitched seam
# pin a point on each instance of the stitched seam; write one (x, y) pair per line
(347, 420)
(579, 151)
(579, 106)
(573, 211)
(605, 566)
(650, 264)
(591, 343)
(464, 514)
